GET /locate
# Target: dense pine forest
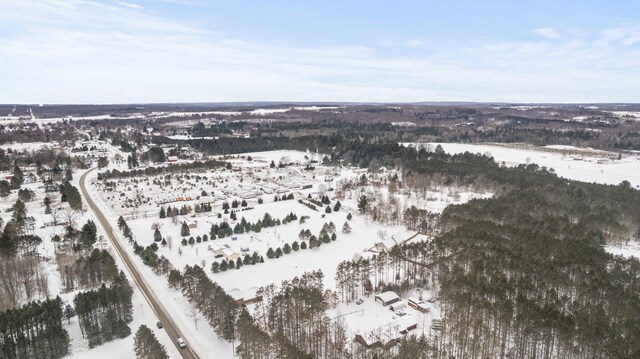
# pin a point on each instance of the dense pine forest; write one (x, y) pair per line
(104, 314)
(34, 331)
(523, 274)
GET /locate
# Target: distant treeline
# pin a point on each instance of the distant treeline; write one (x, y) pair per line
(161, 170)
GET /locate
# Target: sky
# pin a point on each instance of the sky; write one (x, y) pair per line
(160, 51)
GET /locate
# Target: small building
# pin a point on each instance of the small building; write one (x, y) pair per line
(245, 297)
(418, 305)
(172, 159)
(399, 305)
(386, 298)
(413, 302)
(230, 255)
(191, 223)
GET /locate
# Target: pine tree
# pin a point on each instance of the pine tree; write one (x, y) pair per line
(286, 249)
(363, 203)
(270, 253)
(295, 246)
(147, 346)
(157, 236)
(163, 213)
(278, 252)
(184, 231)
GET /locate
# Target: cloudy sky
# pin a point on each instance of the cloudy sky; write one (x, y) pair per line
(141, 51)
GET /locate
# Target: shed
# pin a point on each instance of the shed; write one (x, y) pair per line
(386, 298)
(399, 305)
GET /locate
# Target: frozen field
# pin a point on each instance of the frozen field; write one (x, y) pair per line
(591, 166)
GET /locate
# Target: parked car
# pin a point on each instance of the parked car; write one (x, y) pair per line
(159, 325)
(181, 343)
(359, 301)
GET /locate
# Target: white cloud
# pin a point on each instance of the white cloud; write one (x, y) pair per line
(115, 55)
(547, 32)
(130, 5)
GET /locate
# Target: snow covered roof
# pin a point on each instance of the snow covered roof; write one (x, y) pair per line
(388, 243)
(387, 296)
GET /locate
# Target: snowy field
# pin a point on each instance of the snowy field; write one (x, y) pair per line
(590, 166)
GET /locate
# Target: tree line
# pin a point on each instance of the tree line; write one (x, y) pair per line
(34, 331)
(104, 314)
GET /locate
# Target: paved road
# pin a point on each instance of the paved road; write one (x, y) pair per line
(169, 325)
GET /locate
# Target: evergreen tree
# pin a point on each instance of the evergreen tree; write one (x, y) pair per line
(363, 203)
(157, 236)
(147, 346)
(17, 179)
(270, 253)
(295, 246)
(286, 249)
(184, 231)
(88, 235)
(72, 196)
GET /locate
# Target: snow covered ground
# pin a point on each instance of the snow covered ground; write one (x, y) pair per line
(628, 250)
(591, 166)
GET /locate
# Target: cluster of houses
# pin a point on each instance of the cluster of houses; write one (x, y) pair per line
(176, 198)
(399, 327)
(392, 300)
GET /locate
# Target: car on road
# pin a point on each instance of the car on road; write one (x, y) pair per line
(181, 343)
(159, 325)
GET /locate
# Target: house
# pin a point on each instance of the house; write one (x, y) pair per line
(191, 223)
(369, 341)
(386, 245)
(386, 298)
(247, 296)
(229, 254)
(418, 305)
(172, 159)
(400, 328)
(413, 302)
